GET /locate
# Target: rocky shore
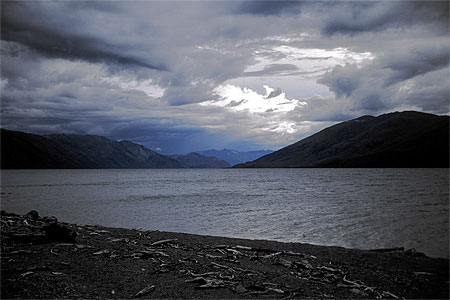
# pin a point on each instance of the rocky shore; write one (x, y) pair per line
(44, 258)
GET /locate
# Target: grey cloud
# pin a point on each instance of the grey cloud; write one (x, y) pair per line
(235, 103)
(315, 58)
(416, 62)
(27, 23)
(273, 69)
(321, 109)
(357, 17)
(341, 80)
(270, 7)
(415, 77)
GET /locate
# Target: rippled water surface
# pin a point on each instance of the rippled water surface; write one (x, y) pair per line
(359, 208)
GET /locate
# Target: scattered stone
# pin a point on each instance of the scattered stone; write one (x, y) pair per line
(359, 292)
(304, 264)
(240, 289)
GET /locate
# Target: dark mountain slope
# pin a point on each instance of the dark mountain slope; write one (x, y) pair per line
(29, 151)
(99, 152)
(195, 160)
(406, 139)
(21, 150)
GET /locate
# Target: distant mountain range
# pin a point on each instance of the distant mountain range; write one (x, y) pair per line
(234, 157)
(21, 150)
(400, 139)
(195, 160)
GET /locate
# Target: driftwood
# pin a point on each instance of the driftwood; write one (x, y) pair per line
(26, 274)
(213, 272)
(145, 291)
(161, 242)
(22, 252)
(101, 252)
(57, 273)
(423, 273)
(222, 266)
(360, 285)
(284, 252)
(203, 274)
(149, 253)
(272, 255)
(329, 269)
(200, 280)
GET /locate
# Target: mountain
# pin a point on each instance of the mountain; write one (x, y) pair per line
(400, 139)
(97, 152)
(29, 151)
(235, 157)
(21, 150)
(195, 160)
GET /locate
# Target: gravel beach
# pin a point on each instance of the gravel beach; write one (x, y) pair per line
(44, 258)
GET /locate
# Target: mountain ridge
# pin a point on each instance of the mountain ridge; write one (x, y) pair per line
(22, 150)
(399, 139)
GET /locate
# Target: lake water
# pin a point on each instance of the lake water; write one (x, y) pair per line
(357, 208)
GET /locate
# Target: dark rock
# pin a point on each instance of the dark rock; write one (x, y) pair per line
(4, 213)
(32, 215)
(414, 252)
(56, 232)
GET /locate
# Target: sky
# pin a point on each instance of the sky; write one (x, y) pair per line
(181, 76)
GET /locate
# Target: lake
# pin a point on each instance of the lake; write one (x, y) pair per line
(356, 208)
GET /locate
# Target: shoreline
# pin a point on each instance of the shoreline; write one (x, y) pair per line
(44, 258)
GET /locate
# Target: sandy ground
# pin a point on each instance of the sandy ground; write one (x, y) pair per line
(44, 258)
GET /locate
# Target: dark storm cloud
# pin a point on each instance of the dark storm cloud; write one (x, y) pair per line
(358, 16)
(415, 77)
(342, 80)
(269, 7)
(28, 24)
(398, 67)
(416, 62)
